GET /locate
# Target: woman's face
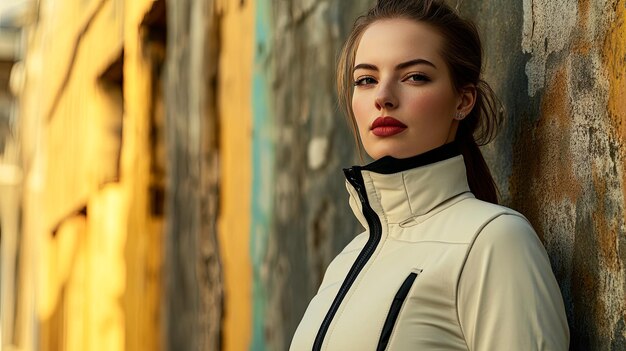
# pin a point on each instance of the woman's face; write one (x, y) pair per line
(403, 100)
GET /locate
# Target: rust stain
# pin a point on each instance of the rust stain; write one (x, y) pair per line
(555, 102)
(605, 226)
(581, 45)
(614, 57)
(583, 13)
(542, 166)
(553, 125)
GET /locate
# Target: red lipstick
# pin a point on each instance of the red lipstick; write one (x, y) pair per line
(387, 126)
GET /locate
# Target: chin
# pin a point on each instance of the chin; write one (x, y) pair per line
(378, 153)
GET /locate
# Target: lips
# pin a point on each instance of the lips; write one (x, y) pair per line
(387, 126)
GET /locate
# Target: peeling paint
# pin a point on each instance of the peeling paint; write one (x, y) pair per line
(548, 26)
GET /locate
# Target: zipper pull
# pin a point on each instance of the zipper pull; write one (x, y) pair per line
(354, 177)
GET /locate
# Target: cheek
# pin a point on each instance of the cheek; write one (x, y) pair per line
(432, 103)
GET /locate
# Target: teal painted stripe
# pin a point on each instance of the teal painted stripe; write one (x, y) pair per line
(262, 171)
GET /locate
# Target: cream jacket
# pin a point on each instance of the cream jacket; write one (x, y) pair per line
(436, 269)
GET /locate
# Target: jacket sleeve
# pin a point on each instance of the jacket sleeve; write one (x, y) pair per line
(508, 298)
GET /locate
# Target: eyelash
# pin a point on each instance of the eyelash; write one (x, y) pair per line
(361, 81)
(421, 78)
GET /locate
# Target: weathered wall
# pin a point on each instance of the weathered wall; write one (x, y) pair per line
(301, 218)
(559, 67)
(194, 289)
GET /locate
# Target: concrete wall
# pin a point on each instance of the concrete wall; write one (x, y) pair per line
(559, 67)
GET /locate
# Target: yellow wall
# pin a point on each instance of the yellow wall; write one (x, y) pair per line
(144, 231)
(236, 59)
(87, 221)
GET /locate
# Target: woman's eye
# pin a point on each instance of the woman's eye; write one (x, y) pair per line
(364, 81)
(418, 78)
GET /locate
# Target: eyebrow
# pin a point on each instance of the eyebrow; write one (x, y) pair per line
(398, 67)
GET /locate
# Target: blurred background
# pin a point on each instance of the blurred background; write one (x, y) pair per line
(170, 170)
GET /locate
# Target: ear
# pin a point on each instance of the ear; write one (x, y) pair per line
(466, 100)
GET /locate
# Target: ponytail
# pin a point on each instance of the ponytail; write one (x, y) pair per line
(479, 128)
(479, 177)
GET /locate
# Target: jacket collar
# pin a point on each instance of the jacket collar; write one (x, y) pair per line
(400, 189)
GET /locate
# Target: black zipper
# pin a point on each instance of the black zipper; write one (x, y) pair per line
(394, 311)
(354, 176)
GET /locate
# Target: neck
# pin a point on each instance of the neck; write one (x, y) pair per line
(389, 164)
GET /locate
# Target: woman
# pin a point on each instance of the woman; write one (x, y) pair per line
(440, 265)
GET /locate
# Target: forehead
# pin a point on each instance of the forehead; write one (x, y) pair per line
(397, 40)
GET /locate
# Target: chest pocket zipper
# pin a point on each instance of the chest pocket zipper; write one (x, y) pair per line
(394, 310)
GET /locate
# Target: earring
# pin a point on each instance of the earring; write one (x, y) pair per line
(459, 116)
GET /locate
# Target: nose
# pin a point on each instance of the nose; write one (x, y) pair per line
(385, 98)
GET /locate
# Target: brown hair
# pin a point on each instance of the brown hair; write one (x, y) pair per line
(462, 51)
